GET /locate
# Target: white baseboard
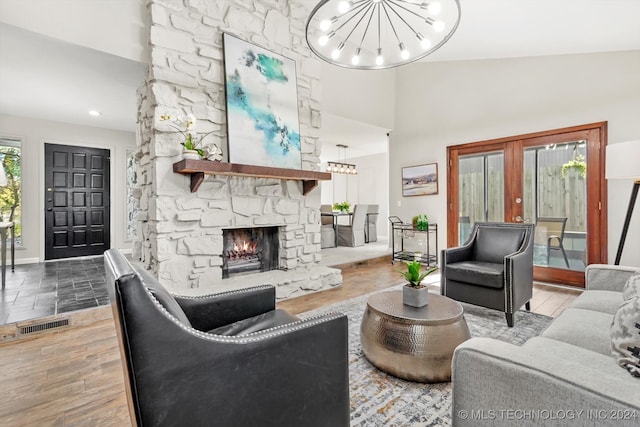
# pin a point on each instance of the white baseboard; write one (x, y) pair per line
(20, 261)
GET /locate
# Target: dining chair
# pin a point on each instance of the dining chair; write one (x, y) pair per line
(327, 228)
(371, 228)
(353, 235)
(550, 233)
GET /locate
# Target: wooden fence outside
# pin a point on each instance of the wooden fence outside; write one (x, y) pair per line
(558, 196)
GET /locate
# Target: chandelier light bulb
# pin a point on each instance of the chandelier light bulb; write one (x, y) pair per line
(404, 53)
(344, 6)
(325, 25)
(323, 40)
(355, 59)
(434, 8)
(336, 52)
(379, 57)
(438, 26)
(425, 43)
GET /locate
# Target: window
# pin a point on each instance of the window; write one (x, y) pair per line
(11, 185)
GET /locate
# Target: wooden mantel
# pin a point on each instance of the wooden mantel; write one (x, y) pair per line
(197, 169)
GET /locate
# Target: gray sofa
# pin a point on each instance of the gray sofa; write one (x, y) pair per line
(550, 379)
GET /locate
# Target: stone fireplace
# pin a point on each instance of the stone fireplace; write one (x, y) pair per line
(249, 250)
(181, 233)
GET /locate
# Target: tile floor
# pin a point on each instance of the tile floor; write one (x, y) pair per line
(45, 289)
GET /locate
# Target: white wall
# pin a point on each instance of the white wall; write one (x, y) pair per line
(114, 26)
(448, 103)
(370, 186)
(34, 134)
(364, 96)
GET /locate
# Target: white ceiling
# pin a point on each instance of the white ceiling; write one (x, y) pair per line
(49, 79)
(45, 78)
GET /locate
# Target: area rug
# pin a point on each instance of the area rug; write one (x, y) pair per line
(379, 399)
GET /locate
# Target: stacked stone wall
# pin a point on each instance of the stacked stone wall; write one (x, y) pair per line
(181, 232)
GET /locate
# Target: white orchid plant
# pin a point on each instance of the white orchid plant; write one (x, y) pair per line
(187, 127)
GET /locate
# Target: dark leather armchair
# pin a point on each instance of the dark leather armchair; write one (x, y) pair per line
(228, 359)
(493, 269)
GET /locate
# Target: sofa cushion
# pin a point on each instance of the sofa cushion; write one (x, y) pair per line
(625, 336)
(602, 301)
(583, 328)
(263, 321)
(162, 295)
(487, 274)
(631, 287)
(492, 244)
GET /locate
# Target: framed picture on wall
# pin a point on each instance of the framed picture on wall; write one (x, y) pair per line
(262, 106)
(421, 180)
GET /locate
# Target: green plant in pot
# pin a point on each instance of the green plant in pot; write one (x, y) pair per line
(341, 206)
(192, 142)
(414, 293)
(420, 222)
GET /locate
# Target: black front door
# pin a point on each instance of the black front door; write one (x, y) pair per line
(76, 201)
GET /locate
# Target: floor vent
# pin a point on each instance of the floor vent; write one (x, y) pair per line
(31, 329)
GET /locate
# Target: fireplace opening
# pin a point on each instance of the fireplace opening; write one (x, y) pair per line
(249, 250)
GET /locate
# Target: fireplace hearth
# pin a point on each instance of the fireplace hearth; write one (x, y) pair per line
(249, 250)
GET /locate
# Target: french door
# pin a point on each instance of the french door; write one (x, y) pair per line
(554, 179)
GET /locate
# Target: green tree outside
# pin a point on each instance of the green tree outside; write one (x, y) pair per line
(10, 194)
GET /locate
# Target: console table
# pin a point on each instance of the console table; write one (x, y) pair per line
(399, 230)
(4, 227)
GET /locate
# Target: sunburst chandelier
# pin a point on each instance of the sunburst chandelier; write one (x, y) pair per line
(378, 34)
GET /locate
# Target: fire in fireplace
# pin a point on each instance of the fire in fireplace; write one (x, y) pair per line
(249, 250)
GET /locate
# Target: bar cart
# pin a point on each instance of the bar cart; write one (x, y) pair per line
(409, 243)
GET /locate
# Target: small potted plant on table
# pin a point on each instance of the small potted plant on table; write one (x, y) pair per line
(414, 293)
(342, 207)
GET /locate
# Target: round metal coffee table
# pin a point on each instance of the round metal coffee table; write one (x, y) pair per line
(415, 344)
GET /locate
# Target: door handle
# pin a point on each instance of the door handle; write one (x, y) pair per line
(49, 209)
(519, 219)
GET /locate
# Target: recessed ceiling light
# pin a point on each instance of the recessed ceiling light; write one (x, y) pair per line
(94, 113)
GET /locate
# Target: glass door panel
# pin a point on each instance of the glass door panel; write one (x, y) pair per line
(555, 199)
(480, 190)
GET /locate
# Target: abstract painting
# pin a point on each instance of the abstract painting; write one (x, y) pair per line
(262, 106)
(420, 180)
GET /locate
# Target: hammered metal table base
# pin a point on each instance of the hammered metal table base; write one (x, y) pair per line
(411, 343)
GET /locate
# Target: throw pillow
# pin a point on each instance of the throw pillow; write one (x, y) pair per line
(625, 336)
(631, 287)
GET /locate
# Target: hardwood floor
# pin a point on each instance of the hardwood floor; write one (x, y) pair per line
(74, 377)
